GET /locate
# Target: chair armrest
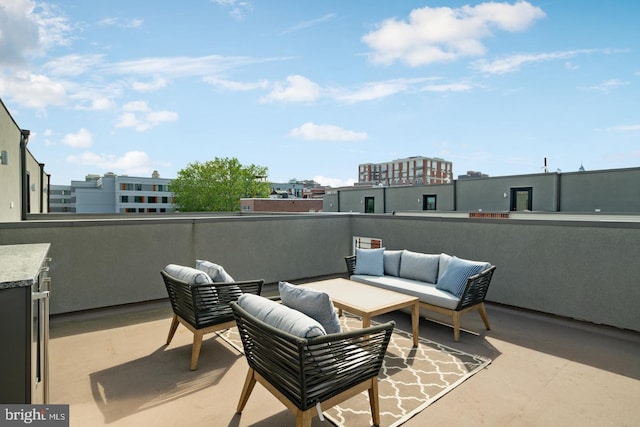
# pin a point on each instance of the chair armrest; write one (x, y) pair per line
(351, 264)
(476, 288)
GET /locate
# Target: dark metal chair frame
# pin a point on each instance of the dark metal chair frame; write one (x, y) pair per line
(204, 309)
(312, 374)
(472, 298)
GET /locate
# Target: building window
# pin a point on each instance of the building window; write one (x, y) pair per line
(429, 202)
(138, 199)
(152, 199)
(165, 199)
(124, 199)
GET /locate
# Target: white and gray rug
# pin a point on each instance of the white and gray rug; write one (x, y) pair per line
(411, 378)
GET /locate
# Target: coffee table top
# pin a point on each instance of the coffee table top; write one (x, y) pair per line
(361, 299)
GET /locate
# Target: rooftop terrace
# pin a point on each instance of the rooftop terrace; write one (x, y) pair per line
(110, 316)
(113, 368)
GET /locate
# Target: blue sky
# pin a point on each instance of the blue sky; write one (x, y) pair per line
(313, 89)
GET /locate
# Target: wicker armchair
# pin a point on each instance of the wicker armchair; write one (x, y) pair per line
(204, 308)
(472, 298)
(312, 374)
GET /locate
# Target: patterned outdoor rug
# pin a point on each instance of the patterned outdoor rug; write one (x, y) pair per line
(411, 378)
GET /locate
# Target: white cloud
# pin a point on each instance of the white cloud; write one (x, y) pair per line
(134, 23)
(448, 87)
(307, 24)
(296, 89)
(626, 128)
(334, 182)
(183, 66)
(73, 65)
(33, 90)
(513, 63)
(155, 84)
(81, 139)
(376, 90)
(18, 31)
(236, 86)
(237, 8)
(607, 86)
(139, 116)
(312, 132)
(131, 163)
(444, 34)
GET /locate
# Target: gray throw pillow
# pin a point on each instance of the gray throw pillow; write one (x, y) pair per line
(418, 266)
(215, 271)
(392, 262)
(313, 303)
(370, 262)
(458, 271)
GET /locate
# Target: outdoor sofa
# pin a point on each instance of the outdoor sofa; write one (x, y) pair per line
(443, 283)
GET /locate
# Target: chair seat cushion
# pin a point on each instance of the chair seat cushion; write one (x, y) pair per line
(280, 316)
(313, 303)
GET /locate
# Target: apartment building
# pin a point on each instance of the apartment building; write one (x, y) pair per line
(113, 193)
(415, 170)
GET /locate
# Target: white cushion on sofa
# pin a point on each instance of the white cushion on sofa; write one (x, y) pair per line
(280, 316)
(189, 275)
(425, 292)
(418, 266)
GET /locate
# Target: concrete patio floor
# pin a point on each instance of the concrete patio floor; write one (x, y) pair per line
(113, 369)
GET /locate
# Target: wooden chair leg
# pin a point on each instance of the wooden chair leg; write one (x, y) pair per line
(374, 401)
(483, 313)
(303, 418)
(195, 351)
(172, 328)
(456, 326)
(249, 383)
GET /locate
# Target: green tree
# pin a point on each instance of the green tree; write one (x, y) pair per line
(217, 185)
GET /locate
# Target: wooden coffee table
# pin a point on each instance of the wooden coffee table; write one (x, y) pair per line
(367, 301)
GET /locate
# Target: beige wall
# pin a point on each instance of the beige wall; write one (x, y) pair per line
(10, 196)
(11, 174)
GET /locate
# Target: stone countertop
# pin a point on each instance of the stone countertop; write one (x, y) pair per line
(20, 264)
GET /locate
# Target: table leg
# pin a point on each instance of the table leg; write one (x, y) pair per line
(415, 323)
(366, 321)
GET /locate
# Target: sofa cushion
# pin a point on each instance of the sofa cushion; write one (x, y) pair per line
(313, 303)
(425, 292)
(189, 275)
(280, 316)
(369, 261)
(215, 271)
(417, 266)
(458, 271)
(391, 262)
(443, 264)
